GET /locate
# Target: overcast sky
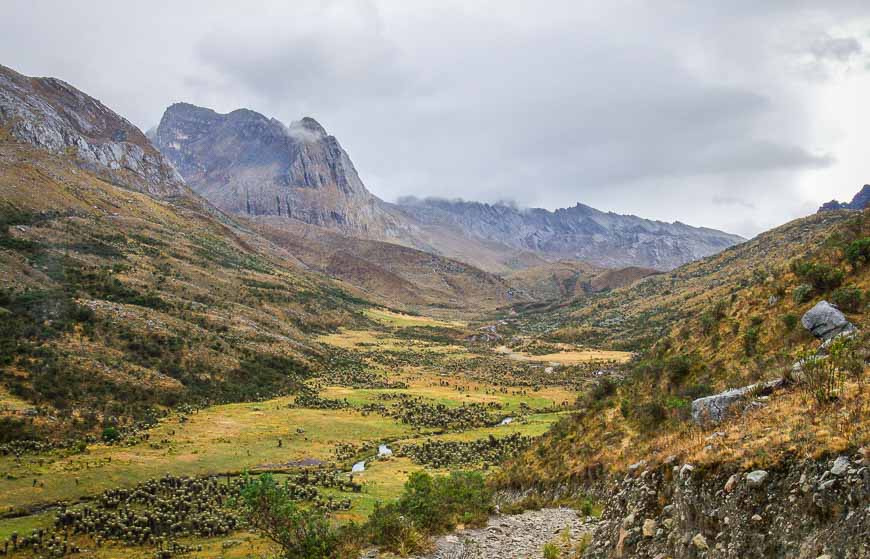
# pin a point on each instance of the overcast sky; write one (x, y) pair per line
(738, 115)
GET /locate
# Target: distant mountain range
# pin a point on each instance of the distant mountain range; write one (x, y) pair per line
(859, 202)
(246, 163)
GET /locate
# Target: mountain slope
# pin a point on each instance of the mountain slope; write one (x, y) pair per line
(391, 274)
(52, 115)
(579, 232)
(727, 321)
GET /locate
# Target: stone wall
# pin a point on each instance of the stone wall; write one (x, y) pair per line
(810, 509)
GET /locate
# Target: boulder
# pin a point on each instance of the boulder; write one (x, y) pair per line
(756, 478)
(711, 410)
(825, 321)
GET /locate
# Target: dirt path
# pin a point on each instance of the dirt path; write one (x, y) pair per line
(519, 536)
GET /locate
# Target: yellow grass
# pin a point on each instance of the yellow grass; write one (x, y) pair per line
(569, 357)
(397, 319)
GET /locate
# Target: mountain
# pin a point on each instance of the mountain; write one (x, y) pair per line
(580, 232)
(860, 201)
(248, 164)
(52, 115)
(245, 163)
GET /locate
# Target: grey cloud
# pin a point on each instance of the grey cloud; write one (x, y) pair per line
(840, 49)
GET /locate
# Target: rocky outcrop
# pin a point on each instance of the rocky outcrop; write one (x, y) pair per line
(246, 163)
(712, 410)
(825, 321)
(580, 232)
(859, 202)
(52, 115)
(802, 510)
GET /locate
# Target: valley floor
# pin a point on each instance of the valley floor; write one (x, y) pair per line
(426, 393)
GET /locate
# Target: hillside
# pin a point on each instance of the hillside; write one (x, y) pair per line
(565, 280)
(122, 289)
(724, 322)
(391, 274)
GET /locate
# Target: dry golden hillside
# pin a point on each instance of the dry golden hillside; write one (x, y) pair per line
(724, 322)
(114, 301)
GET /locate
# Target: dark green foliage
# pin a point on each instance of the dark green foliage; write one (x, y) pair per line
(858, 252)
(111, 434)
(431, 505)
(301, 533)
(789, 321)
(15, 429)
(848, 299)
(821, 276)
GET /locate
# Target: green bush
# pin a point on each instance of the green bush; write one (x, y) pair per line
(551, 551)
(789, 321)
(300, 533)
(848, 299)
(802, 293)
(821, 276)
(111, 434)
(858, 252)
(428, 506)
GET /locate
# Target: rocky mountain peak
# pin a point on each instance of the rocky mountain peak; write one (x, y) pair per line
(50, 114)
(247, 163)
(860, 201)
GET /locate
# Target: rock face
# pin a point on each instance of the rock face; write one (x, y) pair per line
(800, 509)
(53, 115)
(859, 202)
(579, 232)
(825, 321)
(246, 163)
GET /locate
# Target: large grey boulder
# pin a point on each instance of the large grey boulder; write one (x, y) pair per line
(825, 321)
(711, 410)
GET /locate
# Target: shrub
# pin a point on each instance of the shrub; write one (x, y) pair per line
(301, 533)
(821, 276)
(858, 252)
(551, 551)
(111, 434)
(848, 298)
(428, 506)
(802, 293)
(789, 321)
